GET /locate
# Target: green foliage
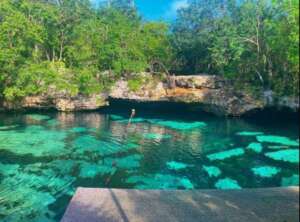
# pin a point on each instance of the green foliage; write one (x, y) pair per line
(70, 47)
(136, 82)
(253, 42)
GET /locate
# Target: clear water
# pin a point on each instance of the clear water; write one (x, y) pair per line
(44, 157)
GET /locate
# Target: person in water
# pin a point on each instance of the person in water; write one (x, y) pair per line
(131, 116)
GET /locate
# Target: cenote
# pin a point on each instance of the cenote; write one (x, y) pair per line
(45, 156)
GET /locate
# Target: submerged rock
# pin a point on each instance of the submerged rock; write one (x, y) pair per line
(277, 139)
(266, 171)
(90, 170)
(42, 142)
(227, 184)
(8, 127)
(116, 117)
(128, 162)
(226, 154)
(78, 130)
(212, 171)
(173, 165)
(249, 133)
(179, 125)
(290, 181)
(289, 155)
(256, 147)
(160, 181)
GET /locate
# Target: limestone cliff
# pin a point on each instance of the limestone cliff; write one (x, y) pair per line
(210, 93)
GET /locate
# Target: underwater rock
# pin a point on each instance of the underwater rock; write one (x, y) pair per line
(277, 139)
(256, 147)
(52, 122)
(227, 184)
(226, 154)
(249, 133)
(160, 181)
(278, 147)
(128, 162)
(90, 170)
(266, 171)
(8, 127)
(178, 125)
(42, 142)
(173, 165)
(212, 171)
(116, 117)
(89, 143)
(289, 155)
(64, 167)
(9, 169)
(78, 130)
(290, 181)
(156, 136)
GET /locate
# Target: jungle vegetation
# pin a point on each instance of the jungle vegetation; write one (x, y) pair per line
(73, 47)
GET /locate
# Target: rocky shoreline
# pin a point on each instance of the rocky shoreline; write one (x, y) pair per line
(211, 94)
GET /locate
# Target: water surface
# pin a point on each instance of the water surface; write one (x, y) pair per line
(44, 157)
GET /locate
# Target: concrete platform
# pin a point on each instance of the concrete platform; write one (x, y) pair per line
(247, 205)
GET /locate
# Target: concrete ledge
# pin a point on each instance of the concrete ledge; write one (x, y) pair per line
(247, 205)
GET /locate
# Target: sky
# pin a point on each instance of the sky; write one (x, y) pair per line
(158, 9)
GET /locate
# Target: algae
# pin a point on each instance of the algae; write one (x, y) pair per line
(226, 154)
(266, 171)
(227, 184)
(289, 155)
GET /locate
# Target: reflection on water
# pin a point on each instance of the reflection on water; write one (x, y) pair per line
(44, 157)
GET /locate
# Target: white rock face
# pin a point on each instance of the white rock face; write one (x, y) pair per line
(208, 92)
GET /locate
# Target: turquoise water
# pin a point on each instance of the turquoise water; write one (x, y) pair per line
(44, 157)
